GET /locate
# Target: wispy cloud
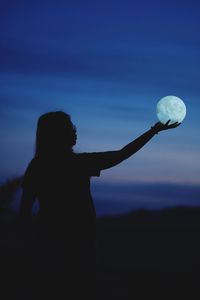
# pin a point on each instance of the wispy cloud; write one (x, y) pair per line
(133, 66)
(118, 198)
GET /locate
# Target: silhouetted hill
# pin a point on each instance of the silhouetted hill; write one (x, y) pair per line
(148, 253)
(140, 255)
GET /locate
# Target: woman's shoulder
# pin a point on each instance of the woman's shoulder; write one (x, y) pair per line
(33, 162)
(32, 165)
(30, 173)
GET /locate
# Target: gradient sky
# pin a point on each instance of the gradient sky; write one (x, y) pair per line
(107, 63)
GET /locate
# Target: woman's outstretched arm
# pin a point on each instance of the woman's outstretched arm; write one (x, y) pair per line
(108, 159)
(138, 143)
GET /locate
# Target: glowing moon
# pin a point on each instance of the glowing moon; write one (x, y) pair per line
(171, 108)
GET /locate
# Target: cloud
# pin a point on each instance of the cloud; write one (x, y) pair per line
(132, 65)
(117, 198)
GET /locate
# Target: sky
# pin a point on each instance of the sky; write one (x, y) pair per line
(107, 64)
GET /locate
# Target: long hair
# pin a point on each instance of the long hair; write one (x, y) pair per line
(55, 134)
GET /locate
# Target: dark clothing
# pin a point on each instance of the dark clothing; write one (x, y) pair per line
(63, 242)
(62, 186)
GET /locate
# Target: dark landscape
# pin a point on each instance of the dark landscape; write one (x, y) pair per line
(150, 254)
(139, 255)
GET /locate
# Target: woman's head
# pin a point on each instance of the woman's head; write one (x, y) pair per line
(55, 134)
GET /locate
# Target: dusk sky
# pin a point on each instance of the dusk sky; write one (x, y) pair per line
(107, 64)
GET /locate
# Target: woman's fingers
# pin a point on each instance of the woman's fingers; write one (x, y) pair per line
(166, 124)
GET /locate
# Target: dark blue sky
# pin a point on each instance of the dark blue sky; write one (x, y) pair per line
(107, 63)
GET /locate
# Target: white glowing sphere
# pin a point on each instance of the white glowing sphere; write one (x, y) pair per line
(170, 108)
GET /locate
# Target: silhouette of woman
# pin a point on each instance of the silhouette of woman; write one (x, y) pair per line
(60, 179)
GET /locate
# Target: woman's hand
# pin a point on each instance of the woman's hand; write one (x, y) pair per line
(160, 127)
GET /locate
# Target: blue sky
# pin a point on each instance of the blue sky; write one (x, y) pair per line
(107, 63)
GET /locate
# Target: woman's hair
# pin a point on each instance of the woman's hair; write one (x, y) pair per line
(55, 134)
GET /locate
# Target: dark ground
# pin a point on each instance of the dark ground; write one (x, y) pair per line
(150, 254)
(141, 255)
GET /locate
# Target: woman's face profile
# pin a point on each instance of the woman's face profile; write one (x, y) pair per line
(55, 133)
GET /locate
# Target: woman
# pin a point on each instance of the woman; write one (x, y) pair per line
(60, 180)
